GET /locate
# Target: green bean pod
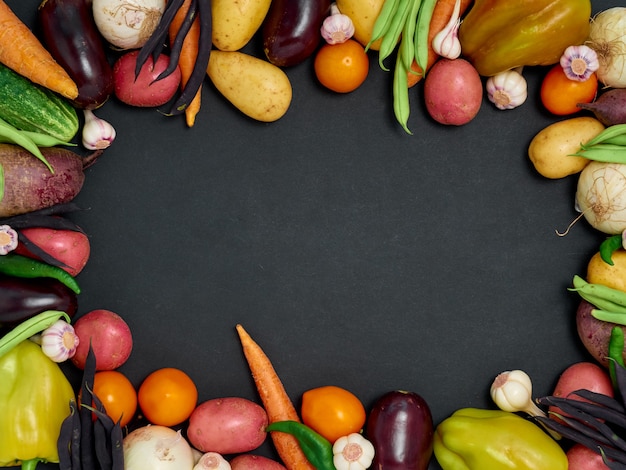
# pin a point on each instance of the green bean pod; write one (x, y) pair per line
(15, 136)
(390, 39)
(603, 297)
(383, 21)
(618, 318)
(401, 104)
(609, 133)
(30, 327)
(407, 43)
(421, 33)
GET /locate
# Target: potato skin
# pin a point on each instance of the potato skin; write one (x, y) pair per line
(230, 425)
(255, 462)
(599, 272)
(363, 14)
(29, 185)
(257, 88)
(594, 334)
(550, 151)
(234, 23)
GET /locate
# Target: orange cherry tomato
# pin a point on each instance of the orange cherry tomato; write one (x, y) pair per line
(332, 411)
(167, 396)
(560, 95)
(342, 67)
(117, 394)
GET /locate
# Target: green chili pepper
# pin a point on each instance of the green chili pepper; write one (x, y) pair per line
(16, 265)
(616, 352)
(608, 246)
(317, 449)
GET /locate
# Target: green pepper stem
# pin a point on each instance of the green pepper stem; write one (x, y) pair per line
(30, 464)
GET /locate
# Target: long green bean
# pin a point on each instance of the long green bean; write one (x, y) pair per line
(390, 39)
(401, 105)
(383, 21)
(421, 32)
(407, 43)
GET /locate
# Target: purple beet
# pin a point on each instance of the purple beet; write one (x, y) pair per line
(609, 108)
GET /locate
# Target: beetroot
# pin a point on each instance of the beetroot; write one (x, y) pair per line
(609, 108)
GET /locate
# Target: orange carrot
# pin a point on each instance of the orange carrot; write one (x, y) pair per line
(441, 15)
(21, 51)
(187, 59)
(276, 402)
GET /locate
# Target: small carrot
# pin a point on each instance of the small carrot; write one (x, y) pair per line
(441, 15)
(276, 402)
(187, 58)
(21, 51)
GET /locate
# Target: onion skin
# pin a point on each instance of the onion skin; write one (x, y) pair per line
(606, 37)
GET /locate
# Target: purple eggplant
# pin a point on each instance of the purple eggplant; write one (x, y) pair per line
(291, 30)
(23, 298)
(70, 34)
(400, 426)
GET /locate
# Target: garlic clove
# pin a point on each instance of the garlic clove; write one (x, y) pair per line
(59, 341)
(97, 134)
(579, 62)
(446, 42)
(8, 239)
(507, 90)
(337, 28)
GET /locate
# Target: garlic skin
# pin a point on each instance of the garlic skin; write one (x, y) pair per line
(446, 42)
(8, 239)
(507, 90)
(212, 461)
(337, 28)
(579, 62)
(353, 452)
(59, 341)
(98, 134)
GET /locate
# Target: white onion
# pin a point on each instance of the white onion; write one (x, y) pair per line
(127, 24)
(607, 36)
(601, 196)
(157, 448)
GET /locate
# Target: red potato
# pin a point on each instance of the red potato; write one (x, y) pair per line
(255, 462)
(110, 337)
(453, 92)
(594, 334)
(68, 246)
(583, 375)
(230, 425)
(580, 457)
(144, 92)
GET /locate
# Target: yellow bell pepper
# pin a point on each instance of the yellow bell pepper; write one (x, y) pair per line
(499, 35)
(477, 439)
(34, 400)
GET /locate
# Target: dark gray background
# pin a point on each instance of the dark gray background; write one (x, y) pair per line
(355, 254)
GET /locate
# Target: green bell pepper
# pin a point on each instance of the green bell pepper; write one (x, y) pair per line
(34, 400)
(498, 35)
(477, 439)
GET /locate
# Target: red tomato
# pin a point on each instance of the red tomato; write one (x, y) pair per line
(117, 394)
(560, 95)
(332, 411)
(167, 396)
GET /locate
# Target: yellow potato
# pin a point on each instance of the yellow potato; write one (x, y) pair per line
(599, 272)
(551, 149)
(236, 21)
(256, 87)
(363, 14)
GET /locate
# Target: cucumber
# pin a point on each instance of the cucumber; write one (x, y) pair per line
(33, 108)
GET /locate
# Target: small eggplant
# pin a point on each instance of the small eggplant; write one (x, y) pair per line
(69, 33)
(291, 30)
(23, 298)
(400, 426)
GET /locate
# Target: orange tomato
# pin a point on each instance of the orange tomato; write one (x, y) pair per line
(117, 394)
(342, 67)
(560, 95)
(167, 396)
(332, 411)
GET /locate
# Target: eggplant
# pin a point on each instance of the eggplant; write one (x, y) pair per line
(400, 426)
(70, 34)
(291, 30)
(22, 298)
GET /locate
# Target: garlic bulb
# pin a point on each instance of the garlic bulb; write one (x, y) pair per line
(97, 134)
(446, 42)
(507, 90)
(337, 28)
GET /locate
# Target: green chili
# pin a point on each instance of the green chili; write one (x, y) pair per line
(317, 449)
(16, 265)
(609, 246)
(616, 352)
